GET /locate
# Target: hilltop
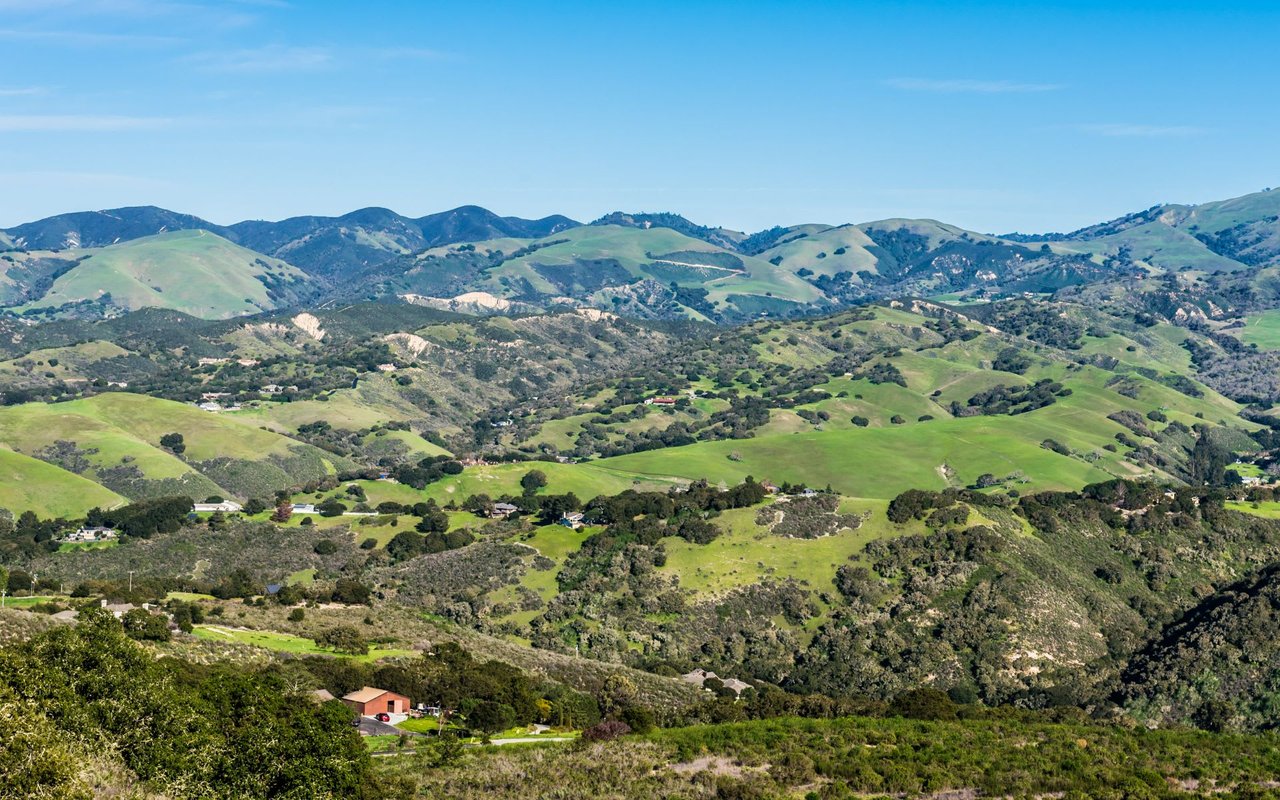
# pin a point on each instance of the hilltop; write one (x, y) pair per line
(195, 272)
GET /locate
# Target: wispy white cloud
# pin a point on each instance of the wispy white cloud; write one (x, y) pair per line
(1136, 130)
(290, 58)
(57, 123)
(272, 58)
(83, 38)
(22, 91)
(967, 86)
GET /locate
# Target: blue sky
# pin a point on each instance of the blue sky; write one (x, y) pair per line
(996, 116)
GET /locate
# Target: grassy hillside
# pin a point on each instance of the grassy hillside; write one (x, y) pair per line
(1159, 246)
(113, 439)
(881, 400)
(825, 251)
(195, 272)
(630, 270)
(30, 484)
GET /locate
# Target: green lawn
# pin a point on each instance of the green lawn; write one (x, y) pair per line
(69, 547)
(27, 602)
(420, 725)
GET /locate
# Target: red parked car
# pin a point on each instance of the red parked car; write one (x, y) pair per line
(382, 716)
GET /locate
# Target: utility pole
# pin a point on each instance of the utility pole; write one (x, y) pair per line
(130, 581)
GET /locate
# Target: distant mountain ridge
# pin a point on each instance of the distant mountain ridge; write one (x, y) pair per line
(308, 236)
(82, 229)
(663, 265)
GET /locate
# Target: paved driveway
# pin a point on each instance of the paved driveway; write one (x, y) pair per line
(371, 727)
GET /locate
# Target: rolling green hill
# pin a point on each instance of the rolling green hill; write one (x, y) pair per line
(637, 271)
(113, 439)
(30, 484)
(870, 402)
(825, 250)
(1159, 246)
(885, 399)
(195, 272)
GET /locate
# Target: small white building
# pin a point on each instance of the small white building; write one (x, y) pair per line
(303, 508)
(226, 506)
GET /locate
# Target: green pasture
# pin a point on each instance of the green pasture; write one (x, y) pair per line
(286, 642)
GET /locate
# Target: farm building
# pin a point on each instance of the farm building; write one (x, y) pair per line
(660, 401)
(92, 534)
(321, 695)
(371, 700)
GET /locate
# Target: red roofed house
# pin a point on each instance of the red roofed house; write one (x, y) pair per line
(369, 701)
